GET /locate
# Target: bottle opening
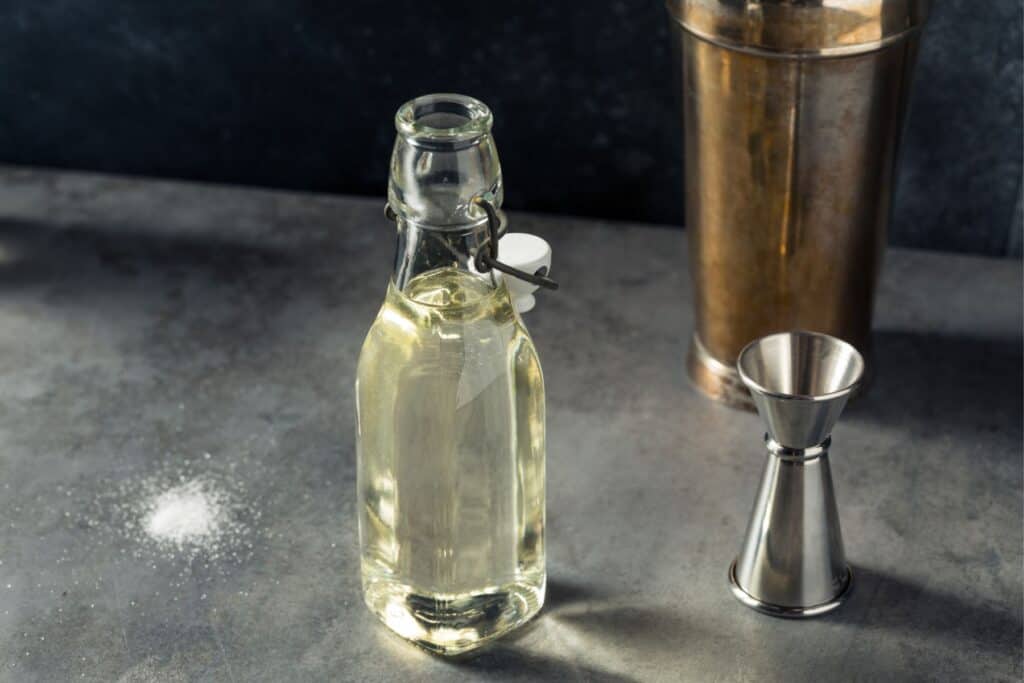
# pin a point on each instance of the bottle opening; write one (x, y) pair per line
(443, 117)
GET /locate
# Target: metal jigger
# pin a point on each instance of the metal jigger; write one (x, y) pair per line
(792, 562)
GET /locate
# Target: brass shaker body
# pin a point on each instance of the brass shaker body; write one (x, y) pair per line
(792, 114)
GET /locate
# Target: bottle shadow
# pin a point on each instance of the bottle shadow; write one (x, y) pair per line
(503, 661)
(584, 633)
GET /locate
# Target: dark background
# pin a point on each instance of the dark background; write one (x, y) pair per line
(300, 94)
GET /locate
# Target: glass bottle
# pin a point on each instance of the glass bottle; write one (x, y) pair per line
(449, 401)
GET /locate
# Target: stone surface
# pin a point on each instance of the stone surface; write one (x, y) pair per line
(143, 324)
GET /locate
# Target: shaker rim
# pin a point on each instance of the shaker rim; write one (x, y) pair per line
(801, 29)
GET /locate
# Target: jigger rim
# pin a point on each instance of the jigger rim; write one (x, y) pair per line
(816, 398)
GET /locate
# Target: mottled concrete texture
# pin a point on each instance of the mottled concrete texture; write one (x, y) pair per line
(146, 323)
(295, 94)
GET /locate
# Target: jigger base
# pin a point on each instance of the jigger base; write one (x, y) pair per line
(789, 612)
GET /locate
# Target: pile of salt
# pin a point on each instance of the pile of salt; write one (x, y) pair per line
(190, 514)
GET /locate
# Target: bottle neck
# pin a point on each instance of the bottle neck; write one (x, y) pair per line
(421, 249)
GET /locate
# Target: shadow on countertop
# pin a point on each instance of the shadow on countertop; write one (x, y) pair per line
(583, 616)
(237, 288)
(904, 606)
(38, 252)
(924, 382)
(504, 661)
(509, 658)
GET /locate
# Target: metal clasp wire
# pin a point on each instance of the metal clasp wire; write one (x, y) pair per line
(487, 255)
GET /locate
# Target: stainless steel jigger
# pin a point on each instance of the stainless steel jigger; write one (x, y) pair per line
(792, 562)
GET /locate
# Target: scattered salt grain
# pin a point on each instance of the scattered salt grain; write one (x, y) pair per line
(184, 518)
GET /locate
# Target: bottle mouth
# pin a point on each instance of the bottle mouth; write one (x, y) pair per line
(443, 118)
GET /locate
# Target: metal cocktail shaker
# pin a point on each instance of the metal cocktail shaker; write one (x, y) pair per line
(792, 112)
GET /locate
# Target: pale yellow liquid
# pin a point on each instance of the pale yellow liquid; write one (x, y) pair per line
(450, 412)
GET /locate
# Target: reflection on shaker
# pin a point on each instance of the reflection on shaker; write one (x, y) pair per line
(792, 114)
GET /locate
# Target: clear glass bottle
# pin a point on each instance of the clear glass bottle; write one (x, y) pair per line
(449, 402)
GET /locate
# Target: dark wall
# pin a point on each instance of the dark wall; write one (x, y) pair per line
(300, 94)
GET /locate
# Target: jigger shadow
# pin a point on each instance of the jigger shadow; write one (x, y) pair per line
(903, 605)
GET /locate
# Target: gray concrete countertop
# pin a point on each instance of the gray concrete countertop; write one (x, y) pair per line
(152, 330)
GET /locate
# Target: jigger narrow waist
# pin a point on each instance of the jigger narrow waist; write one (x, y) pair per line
(796, 454)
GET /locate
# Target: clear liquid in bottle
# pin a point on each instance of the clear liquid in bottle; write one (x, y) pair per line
(450, 413)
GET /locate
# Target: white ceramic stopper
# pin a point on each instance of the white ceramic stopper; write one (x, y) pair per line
(528, 253)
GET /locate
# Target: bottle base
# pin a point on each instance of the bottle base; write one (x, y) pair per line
(457, 623)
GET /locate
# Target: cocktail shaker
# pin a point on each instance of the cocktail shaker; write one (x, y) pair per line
(792, 112)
